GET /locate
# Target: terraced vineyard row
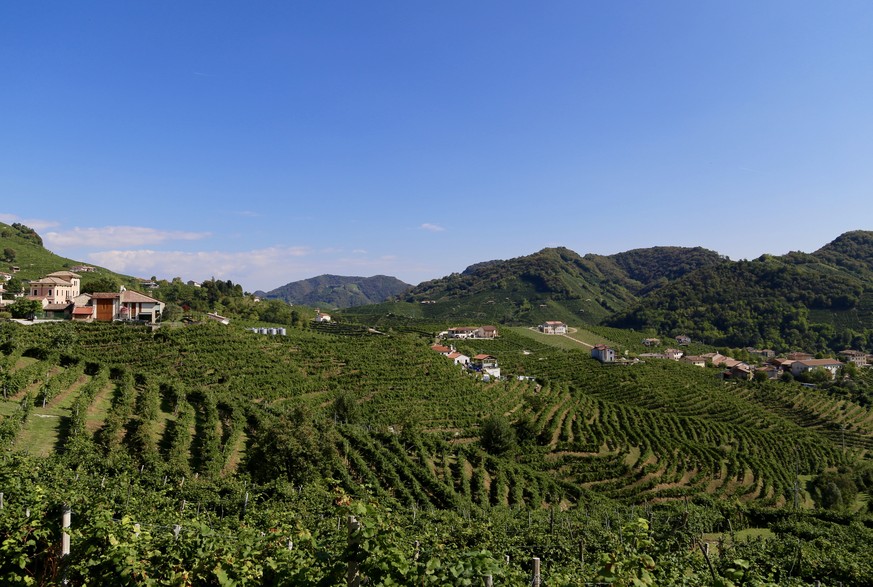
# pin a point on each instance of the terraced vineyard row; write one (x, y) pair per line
(186, 400)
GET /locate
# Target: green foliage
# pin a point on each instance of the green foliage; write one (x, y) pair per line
(498, 436)
(104, 283)
(25, 308)
(14, 286)
(632, 563)
(767, 302)
(834, 490)
(294, 446)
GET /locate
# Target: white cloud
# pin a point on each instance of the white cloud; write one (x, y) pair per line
(431, 227)
(257, 269)
(253, 269)
(118, 236)
(35, 223)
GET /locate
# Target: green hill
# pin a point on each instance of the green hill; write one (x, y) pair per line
(814, 301)
(554, 284)
(35, 261)
(335, 291)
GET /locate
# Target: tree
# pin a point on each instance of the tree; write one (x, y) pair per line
(101, 284)
(498, 436)
(24, 308)
(171, 312)
(345, 408)
(14, 286)
(9, 254)
(294, 446)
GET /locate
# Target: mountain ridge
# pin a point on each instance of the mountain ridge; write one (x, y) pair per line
(338, 291)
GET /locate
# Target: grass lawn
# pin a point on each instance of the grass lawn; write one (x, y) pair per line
(577, 339)
(741, 535)
(8, 407)
(40, 433)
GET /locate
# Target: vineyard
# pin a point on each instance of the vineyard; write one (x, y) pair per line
(218, 430)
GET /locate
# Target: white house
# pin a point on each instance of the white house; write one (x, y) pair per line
(853, 356)
(487, 365)
(603, 353)
(459, 359)
(322, 317)
(553, 327)
(831, 365)
(486, 332)
(673, 354)
(462, 332)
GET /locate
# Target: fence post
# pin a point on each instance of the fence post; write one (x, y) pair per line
(582, 552)
(353, 575)
(537, 580)
(66, 518)
(1, 500)
(489, 581)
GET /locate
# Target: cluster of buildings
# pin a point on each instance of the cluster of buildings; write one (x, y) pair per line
(770, 365)
(464, 332)
(481, 363)
(60, 296)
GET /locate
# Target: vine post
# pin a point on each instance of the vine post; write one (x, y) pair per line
(66, 518)
(353, 575)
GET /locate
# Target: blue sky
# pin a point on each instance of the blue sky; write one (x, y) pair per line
(267, 142)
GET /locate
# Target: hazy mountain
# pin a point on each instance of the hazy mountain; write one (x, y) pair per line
(336, 291)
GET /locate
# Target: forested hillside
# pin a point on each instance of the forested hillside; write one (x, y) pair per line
(822, 301)
(553, 284)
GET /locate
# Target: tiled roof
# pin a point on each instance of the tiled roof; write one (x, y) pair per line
(49, 280)
(102, 295)
(63, 274)
(134, 297)
(820, 363)
(83, 311)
